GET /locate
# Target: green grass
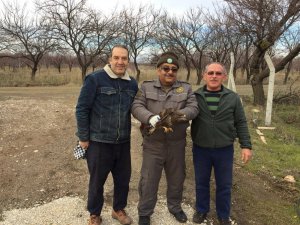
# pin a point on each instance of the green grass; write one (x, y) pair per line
(281, 155)
(273, 161)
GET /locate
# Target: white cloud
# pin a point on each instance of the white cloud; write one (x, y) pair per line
(172, 6)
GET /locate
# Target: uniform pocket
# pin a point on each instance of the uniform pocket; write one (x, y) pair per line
(152, 95)
(179, 97)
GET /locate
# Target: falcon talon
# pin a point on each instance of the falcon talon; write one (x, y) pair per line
(168, 129)
(165, 129)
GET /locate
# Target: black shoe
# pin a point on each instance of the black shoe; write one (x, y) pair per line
(144, 220)
(199, 217)
(224, 222)
(180, 216)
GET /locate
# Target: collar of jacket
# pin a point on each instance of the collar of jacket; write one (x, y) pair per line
(112, 75)
(158, 84)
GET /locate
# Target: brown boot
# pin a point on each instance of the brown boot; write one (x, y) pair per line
(121, 216)
(95, 220)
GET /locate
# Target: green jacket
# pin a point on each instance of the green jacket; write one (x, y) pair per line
(221, 129)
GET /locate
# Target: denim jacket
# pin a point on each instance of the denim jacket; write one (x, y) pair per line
(103, 108)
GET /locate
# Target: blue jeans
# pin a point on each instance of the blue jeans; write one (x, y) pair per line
(221, 160)
(103, 158)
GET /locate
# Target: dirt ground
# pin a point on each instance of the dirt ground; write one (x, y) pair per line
(37, 127)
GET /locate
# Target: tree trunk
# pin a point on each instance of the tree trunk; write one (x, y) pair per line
(234, 72)
(33, 72)
(258, 92)
(247, 75)
(188, 68)
(199, 77)
(255, 77)
(83, 72)
(188, 75)
(287, 72)
(138, 71)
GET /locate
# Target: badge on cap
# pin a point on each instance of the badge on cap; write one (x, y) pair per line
(179, 89)
(169, 60)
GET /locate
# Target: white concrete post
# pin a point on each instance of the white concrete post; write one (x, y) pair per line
(270, 89)
(231, 83)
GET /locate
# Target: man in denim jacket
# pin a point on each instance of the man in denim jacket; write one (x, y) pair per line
(104, 126)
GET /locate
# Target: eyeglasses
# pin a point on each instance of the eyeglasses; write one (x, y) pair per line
(217, 73)
(167, 69)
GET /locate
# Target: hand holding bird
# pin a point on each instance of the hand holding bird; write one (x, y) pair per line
(168, 117)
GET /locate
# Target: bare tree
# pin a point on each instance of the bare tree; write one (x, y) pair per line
(187, 36)
(198, 35)
(28, 37)
(139, 24)
(87, 32)
(265, 22)
(57, 59)
(290, 39)
(4, 43)
(71, 60)
(170, 36)
(220, 40)
(224, 39)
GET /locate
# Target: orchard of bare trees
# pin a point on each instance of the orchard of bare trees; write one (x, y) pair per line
(72, 33)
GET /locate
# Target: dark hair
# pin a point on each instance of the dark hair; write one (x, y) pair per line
(119, 46)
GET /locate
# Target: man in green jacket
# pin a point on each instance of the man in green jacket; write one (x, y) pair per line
(221, 119)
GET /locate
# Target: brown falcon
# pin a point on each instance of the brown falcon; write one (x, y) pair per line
(168, 117)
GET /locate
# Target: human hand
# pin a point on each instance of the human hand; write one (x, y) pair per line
(178, 117)
(84, 144)
(246, 154)
(153, 120)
